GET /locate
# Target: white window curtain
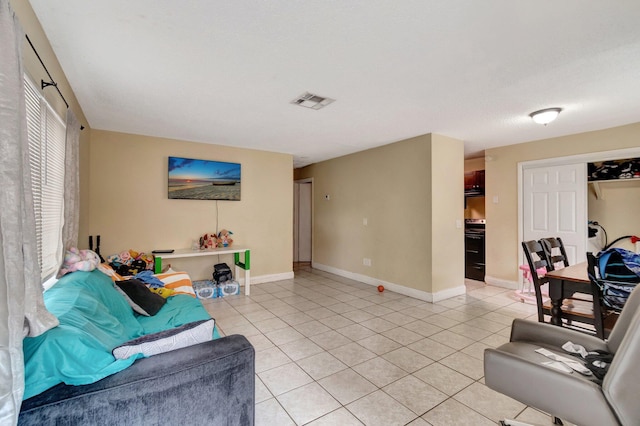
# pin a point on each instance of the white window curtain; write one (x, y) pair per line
(71, 184)
(22, 310)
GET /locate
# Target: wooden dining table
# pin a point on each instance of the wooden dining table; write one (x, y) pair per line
(565, 282)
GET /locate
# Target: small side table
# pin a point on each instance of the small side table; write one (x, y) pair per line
(236, 251)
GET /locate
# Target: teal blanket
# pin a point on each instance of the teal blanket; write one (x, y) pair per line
(94, 319)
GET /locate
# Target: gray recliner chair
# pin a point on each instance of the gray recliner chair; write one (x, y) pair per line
(516, 370)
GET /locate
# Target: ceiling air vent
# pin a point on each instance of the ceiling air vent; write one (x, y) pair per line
(309, 100)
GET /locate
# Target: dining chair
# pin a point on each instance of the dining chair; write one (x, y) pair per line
(573, 310)
(537, 259)
(555, 251)
(557, 258)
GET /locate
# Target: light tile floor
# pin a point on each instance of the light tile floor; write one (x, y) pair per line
(333, 351)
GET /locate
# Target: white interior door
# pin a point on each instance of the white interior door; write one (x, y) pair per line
(555, 205)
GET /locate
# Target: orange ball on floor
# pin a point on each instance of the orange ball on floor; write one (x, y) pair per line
(380, 288)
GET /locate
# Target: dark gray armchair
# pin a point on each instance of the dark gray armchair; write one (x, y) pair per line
(516, 370)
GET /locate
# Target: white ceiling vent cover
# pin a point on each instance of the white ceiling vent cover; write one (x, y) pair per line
(309, 100)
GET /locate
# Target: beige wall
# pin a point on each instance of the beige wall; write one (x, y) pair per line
(335, 246)
(392, 187)
(473, 164)
(501, 181)
(123, 184)
(617, 210)
(475, 208)
(447, 205)
(130, 209)
(33, 68)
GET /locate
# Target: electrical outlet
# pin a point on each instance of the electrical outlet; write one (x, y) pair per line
(366, 261)
(365, 221)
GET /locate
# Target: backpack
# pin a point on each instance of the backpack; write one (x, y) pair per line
(620, 265)
(619, 275)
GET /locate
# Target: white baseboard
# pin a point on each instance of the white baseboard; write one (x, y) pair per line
(406, 291)
(449, 293)
(268, 278)
(498, 282)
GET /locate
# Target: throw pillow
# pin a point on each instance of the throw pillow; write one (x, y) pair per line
(164, 341)
(179, 282)
(140, 298)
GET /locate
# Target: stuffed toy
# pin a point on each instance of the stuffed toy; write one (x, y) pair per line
(114, 260)
(78, 260)
(125, 257)
(131, 258)
(224, 239)
(208, 241)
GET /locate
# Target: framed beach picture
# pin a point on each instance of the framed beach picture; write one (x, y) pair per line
(192, 179)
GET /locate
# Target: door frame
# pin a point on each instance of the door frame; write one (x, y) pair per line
(296, 208)
(560, 161)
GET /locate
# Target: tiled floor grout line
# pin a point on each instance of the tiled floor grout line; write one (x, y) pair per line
(316, 292)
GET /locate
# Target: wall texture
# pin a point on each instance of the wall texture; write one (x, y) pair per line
(392, 187)
(130, 209)
(447, 205)
(473, 164)
(502, 181)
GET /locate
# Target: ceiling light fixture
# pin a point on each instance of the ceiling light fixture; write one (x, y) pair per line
(545, 116)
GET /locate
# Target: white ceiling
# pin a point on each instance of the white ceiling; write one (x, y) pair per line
(224, 72)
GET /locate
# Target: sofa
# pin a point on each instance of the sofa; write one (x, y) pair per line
(72, 376)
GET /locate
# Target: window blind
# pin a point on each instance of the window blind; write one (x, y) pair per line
(46, 133)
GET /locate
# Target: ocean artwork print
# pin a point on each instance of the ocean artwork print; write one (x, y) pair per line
(192, 179)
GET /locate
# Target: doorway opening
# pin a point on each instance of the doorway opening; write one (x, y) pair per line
(302, 223)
